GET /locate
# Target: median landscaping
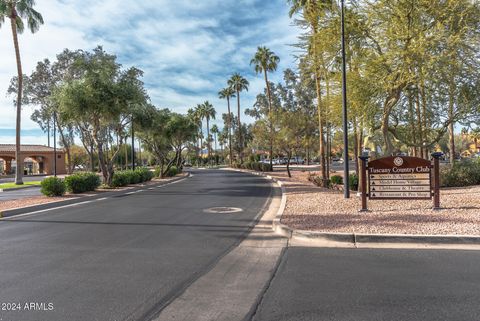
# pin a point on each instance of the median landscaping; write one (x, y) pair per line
(313, 208)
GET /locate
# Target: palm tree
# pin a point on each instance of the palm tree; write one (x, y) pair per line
(227, 93)
(215, 131)
(17, 11)
(194, 115)
(265, 60)
(238, 83)
(208, 112)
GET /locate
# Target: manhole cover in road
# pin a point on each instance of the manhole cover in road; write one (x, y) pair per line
(223, 210)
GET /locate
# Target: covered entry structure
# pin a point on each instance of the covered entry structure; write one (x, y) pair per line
(38, 158)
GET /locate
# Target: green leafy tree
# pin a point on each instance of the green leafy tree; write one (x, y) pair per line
(103, 101)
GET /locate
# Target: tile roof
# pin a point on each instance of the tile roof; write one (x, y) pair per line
(8, 148)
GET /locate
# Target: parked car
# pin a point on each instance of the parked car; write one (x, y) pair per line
(297, 160)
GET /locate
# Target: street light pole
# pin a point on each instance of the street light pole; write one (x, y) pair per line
(133, 147)
(346, 172)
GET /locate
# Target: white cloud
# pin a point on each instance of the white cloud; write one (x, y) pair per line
(187, 48)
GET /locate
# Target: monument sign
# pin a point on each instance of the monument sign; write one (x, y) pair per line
(400, 178)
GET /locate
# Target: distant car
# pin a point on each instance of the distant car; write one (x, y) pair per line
(297, 160)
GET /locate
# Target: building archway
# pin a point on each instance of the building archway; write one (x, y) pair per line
(36, 159)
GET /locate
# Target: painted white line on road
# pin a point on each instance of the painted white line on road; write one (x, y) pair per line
(45, 210)
(102, 199)
(72, 205)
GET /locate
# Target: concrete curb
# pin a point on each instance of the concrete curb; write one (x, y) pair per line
(357, 240)
(52, 205)
(17, 188)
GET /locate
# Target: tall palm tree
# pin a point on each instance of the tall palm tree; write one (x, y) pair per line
(18, 11)
(195, 117)
(199, 115)
(227, 93)
(208, 113)
(215, 131)
(238, 83)
(264, 61)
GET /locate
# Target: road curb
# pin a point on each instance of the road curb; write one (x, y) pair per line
(359, 239)
(53, 205)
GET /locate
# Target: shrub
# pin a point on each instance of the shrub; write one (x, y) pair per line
(120, 178)
(266, 167)
(464, 173)
(53, 186)
(336, 180)
(172, 171)
(318, 180)
(82, 182)
(145, 174)
(353, 180)
(158, 171)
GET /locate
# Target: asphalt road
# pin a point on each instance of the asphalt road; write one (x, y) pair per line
(21, 193)
(321, 284)
(125, 257)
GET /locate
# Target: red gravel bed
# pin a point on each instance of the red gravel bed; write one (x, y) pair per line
(317, 209)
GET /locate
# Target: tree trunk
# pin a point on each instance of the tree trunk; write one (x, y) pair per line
(451, 126)
(240, 143)
(18, 154)
(411, 116)
(419, 122)
(288, 164)
(215, 151)
(320, 128)
(269, 116)
(390, 102)
(208, 141)
(229, 132)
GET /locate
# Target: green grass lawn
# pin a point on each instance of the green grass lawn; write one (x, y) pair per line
(12, 185)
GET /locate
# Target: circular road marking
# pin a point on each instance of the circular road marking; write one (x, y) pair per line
(223, 210)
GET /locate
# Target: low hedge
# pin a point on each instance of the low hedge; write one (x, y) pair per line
(124, 178)
(462, 173)
(53, 186)
(172, 171)
(255, 166)
(82, 182)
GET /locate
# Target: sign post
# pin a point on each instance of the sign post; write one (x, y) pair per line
(436, 181)
(363, 179)
(401, 178)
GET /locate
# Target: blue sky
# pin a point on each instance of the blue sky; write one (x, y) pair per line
(187, 48)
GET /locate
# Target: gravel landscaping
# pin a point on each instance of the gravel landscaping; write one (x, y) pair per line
(313, 208)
